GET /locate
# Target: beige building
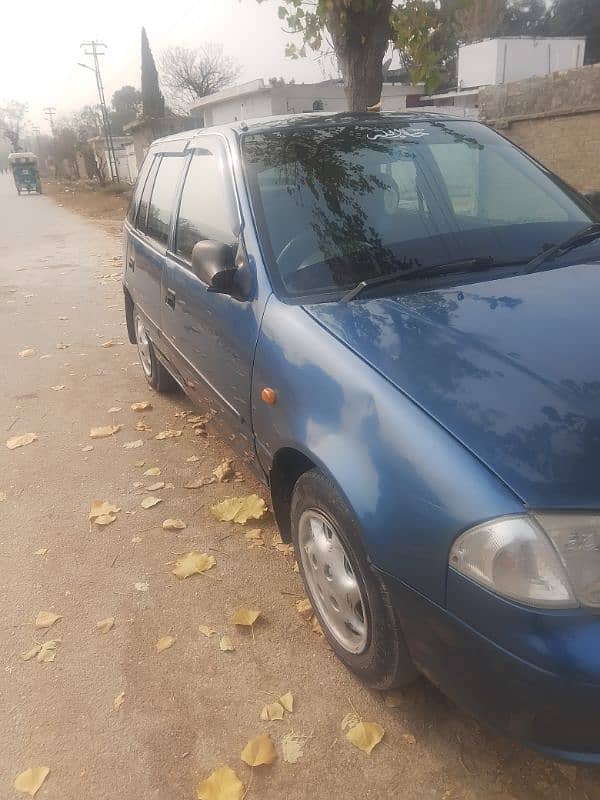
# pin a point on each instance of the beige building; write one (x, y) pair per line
(260, 99)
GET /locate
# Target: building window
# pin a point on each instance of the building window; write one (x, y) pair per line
(318, 105)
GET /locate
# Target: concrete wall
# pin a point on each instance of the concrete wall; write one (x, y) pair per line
(237, 108)
(555, 118)
(514, 58)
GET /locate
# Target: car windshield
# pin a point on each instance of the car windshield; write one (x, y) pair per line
(337, 204)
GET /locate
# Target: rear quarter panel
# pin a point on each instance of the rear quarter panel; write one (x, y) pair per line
(413, 487)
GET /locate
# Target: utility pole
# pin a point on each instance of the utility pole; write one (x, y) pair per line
(49, 113)
(96, 49)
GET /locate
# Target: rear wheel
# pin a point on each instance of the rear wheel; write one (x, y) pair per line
(347, 596)
(156, 374)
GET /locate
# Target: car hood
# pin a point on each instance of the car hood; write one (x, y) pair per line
(511, 367)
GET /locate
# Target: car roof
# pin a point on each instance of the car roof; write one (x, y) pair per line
(312, 119)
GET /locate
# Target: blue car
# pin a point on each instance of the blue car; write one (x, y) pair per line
(398, 320)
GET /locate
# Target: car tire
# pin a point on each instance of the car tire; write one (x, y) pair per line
(348, 597)
(157, 375)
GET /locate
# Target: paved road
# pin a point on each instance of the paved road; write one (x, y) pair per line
(192, 707)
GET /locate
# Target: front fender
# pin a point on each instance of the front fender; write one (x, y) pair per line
(412, 486)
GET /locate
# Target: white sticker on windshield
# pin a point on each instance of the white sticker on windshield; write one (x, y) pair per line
(398, 133)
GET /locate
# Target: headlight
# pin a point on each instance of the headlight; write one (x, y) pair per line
(513, 557)
(577, 539)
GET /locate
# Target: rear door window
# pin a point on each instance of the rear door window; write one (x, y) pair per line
(145, 198)
(205, 207)
(139, 187)
(163, 198)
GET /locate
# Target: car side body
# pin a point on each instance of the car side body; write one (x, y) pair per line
(431, 409)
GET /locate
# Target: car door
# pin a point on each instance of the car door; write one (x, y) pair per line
(212, 336)
(152, 235)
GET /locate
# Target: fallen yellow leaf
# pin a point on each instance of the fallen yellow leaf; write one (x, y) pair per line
(239, 509)
(192, 459)
(164, 643)
(226, 644)
(221, 784)
(154, 487)
(174, 525)
(58, 388)
(47, 651)
(30, 781)
(206, 631)
(287, 701)
(150, 502)
(258, 751)
(292, 745)
(192, 564)
(30, 351)
(142, 425)
(21, 441)
(103, 512)
(103, 431)
(114, 409)
(152, 471)
(304, 608)
(46, 619)
(365, 735)
(133, 445)
(41, 552)
(168, 434)
(199, 483)
(245, 616)
(272, 711)
(2, 497)
(225, 471)
(105, 625)
(315, 626)
(118, 701)
(145, 405)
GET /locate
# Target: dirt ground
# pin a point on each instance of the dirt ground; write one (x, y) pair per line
(192, 707)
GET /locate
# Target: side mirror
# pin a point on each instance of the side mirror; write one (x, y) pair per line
(214, 263)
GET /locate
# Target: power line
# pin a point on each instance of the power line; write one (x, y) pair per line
(49, 113)
(95, 49)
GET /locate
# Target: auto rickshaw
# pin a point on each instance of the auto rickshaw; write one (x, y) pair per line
(25, 172)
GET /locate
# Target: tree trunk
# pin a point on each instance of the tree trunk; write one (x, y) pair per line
(360, 39)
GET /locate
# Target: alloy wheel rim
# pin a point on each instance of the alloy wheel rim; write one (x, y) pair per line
(143, 346)
(331, 581)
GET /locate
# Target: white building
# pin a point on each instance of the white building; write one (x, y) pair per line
(257, 99)
(509, 58)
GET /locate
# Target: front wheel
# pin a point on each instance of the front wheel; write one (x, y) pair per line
(347, 596)
(156, 374)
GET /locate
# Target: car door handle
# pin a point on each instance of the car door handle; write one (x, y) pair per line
(170, 298)
(131, 263)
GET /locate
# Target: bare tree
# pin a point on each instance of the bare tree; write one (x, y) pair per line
(12, 116)
(190, 73)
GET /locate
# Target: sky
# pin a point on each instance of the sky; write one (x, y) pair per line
(39, 63)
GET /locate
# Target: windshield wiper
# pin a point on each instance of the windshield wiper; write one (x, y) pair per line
(461, 265)
(583, 237)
